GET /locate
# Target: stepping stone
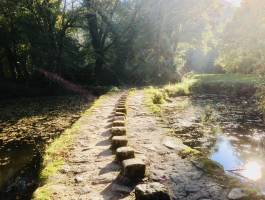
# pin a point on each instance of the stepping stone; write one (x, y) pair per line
(118, 114)
(118, 131)
(151, 191)
(119, 118)
(119, 141)
(122, 110)
(118, 123)
(121, 107)
(124, 153)
(134, 169)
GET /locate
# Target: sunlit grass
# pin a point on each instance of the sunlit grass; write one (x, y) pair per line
(225, 84)
(153, 98)
(231, 84)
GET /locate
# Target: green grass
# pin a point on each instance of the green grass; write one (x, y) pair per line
(230, 84)
(153, 99)
(54, 156)
(224, 84)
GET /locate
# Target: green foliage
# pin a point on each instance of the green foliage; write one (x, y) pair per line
(232, 84)
(136, 42)
(114, 89)
(153, 99)
(158, 97)
(242, 46)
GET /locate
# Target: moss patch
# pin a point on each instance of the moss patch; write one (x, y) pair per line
(188, 152)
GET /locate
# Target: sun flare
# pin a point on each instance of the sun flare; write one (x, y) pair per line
(252, 170)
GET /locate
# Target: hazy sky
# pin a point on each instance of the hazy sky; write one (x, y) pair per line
(235, 2)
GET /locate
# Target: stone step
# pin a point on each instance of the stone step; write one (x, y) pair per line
(118, 114)
(119, 141)
(118, 123)
(119, 118)
(124, 153)
(151, 191)
(122, 110)
(134, 169)
(118, 131)
(121, 106)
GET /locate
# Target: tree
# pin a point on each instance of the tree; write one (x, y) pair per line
(243, 45)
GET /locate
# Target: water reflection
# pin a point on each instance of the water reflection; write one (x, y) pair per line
(225, 154)
(241, 160)
(252, 170)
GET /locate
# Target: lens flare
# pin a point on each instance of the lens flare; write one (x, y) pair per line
(252, 170)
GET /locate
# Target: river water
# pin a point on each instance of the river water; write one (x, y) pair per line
(237, 141)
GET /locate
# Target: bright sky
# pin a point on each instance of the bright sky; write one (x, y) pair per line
(235, 2)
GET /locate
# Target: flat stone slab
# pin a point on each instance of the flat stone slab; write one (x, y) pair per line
(237, 194)
(118, 114)
(121, 104)
(151, 191)
(124, 153)
(121, 107)
(118, 123)
(119, 141)
(122, 110)
(119, 118)
(134, 169)
(118, 131)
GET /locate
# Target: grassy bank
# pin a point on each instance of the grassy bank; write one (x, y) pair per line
(226, 84)
(234, 85)
(55, 155)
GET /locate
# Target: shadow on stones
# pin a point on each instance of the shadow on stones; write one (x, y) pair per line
(106, 133)
(121, 186)
(104, 143)
(111, 167)
(105, 153)
(108, 126)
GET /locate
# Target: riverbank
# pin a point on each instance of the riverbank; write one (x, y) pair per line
(219, 117)
(234, 85)
(27, 125)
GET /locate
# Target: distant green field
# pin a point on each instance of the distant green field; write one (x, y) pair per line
(230, 84)
(235, 85)
(229, 78)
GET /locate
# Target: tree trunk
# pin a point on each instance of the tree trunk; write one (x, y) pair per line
(99, 68)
